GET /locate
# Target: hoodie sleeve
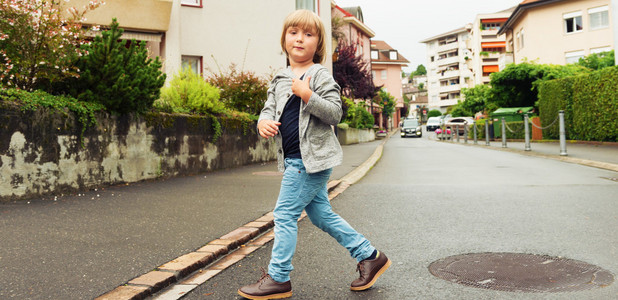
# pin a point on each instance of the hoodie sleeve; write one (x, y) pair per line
(325, 102)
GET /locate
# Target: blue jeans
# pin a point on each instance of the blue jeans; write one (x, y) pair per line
(299, 191)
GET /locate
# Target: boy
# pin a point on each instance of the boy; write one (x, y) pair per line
(303, 103)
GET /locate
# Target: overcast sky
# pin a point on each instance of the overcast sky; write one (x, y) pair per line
(403, 23)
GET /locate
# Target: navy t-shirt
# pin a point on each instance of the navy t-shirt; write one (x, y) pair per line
(289, 128)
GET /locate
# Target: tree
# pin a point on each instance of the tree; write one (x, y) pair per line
(420, 70)
(38, 44)
(597, 61)
(117, 74)
(476, 100)
(351, 72)
(515, 86)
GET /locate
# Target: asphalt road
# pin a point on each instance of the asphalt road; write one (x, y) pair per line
(426, 200)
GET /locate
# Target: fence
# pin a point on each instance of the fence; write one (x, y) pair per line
(517, 131)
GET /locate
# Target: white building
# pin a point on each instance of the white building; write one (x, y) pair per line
(486, 46)
(447, 68)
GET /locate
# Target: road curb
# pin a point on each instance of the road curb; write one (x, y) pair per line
(190, 270)
(573, 160)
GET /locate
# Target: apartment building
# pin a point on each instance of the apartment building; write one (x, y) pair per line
(353, 29)
(558, 31)
(210, 35)
(386, 65)
(486, 46)
(447, 68)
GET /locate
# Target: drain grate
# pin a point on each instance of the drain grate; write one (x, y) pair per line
(516, 272)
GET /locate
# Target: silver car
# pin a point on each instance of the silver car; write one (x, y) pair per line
(411, 127)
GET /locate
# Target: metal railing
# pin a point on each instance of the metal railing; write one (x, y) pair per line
(504, 127)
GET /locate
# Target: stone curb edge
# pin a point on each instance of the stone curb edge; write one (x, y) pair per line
(579, 161)
(190, 270)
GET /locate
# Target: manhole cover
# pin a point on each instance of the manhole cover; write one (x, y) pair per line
(514, 272)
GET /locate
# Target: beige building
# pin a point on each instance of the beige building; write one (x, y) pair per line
(486, 46)
(558, 31)
(447, 67)
(208, 35)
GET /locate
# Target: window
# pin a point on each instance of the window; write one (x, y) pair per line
(519, 37)
(373, 74)
(392, 55)
(384, 74)
(599, 17)
(574, 56)
(374, 54)
(193, 62)
(573, 22)
(306, 4)
(600, 50)
(196, 3)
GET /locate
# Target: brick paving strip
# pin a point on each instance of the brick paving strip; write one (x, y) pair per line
(188, 271)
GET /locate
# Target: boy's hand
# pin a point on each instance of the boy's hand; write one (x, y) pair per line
(301, 88)
(268, 128)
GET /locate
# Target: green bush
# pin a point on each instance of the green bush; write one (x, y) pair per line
(117, 74)
(517, 127)
(434, 113)
(241, 90)
(590, 103)
(555, 95)
(357, 115)
(595, 103)
(189, 92)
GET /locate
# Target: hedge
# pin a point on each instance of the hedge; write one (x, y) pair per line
(590, 103)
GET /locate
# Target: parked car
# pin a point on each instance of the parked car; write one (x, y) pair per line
(434, 123)
(411, 127)
(462, 122)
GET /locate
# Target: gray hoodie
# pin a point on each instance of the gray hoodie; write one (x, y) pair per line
(319, 146)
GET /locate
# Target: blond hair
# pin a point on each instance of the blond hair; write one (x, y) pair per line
(308, 21)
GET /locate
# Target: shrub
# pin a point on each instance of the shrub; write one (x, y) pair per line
(241, 90)
(189, 92)
(357, 115)
(595, 103)
(38, 43)
(434, 113)
(117, 74)
(555, 95)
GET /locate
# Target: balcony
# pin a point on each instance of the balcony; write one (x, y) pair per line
(447, 61)
(448, 47)
(450, 88)
(139, 15)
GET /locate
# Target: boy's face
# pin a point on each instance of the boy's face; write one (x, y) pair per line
(300, 45)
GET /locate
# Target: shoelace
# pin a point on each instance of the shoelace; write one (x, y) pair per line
(264, 276)
(360, 267)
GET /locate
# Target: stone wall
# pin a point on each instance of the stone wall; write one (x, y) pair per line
(44, 153)
(354, 136)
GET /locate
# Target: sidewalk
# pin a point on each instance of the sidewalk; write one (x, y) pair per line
(598, 155)
(83, 246)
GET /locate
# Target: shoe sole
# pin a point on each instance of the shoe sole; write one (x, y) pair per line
(370, 284)
(273, 296)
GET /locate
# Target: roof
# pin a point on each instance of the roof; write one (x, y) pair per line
(519, 10)
(458, 30)
(355, 11)
(383, 54)
(351, 15)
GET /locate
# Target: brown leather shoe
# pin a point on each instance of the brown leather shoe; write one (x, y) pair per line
(266, 288)
(370, 270)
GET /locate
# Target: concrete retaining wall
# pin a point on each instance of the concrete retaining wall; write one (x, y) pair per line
(354, 136)
(44, 153)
